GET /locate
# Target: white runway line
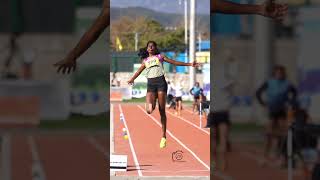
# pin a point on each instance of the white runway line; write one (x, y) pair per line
(97, 145)
(112, 173)
(183, 145)
(111, 130)
(136, 162)
(37, 168)
(190, 123)
(216, 173)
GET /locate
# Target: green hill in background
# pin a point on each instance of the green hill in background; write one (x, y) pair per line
(166, 19)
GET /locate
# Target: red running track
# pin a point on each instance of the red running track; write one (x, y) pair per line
(144, 135)
(244, 160)
(62, 157)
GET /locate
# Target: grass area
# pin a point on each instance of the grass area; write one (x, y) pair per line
(135, 100)
(76, 121)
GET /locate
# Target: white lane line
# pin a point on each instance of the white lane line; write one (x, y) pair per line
(111, 130)
(183, 145)
(216, 173)
(37, 168)
(97, 145)
(192, 124)
(136, 162)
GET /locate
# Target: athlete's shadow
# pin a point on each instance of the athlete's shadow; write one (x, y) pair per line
(132, 167)
(179, 161)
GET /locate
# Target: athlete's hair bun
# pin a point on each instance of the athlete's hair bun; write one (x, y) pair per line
(143, 53)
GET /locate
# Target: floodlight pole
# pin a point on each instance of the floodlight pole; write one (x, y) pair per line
(192, 74)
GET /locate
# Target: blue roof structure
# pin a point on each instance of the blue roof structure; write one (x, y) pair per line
(204, 45)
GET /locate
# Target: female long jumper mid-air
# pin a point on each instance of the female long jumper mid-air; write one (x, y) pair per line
(157, 85)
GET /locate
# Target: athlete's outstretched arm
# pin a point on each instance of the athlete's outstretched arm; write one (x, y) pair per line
(89, 37)
(178, 63)
(269, 8)
(139, 71)
(222, 6)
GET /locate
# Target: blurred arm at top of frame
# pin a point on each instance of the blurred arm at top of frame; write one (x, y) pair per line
(89, 37)
(227, 7)
(269, 8)
(93, 33)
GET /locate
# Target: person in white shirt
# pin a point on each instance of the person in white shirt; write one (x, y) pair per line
(170, 95)
(178, 96)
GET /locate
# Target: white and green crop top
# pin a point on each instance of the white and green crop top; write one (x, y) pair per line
(154, 66)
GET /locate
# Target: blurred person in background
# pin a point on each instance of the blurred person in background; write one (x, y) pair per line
(170, 95)
(316, 169)
(279, 93)
(205, 105)
(115, 81)
(304, 144)
(220, 115)
(14, 51)
(196, 92)
(269, 9)
(178, 97)
(25, 58)
(28, 59)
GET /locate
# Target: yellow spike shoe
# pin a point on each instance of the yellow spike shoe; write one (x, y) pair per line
(163, 142)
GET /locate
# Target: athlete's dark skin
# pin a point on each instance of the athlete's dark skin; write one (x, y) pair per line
(68, 64)
(268, 9)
